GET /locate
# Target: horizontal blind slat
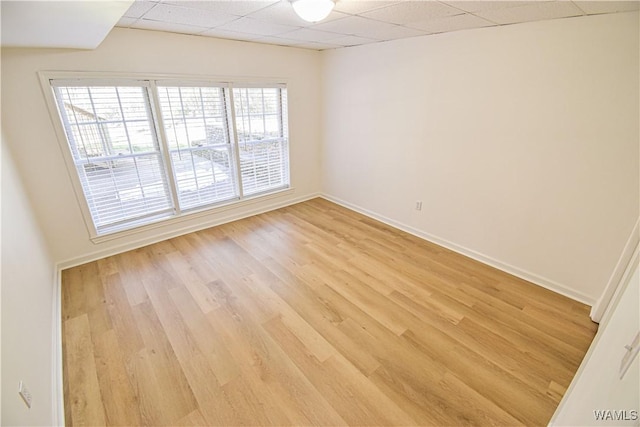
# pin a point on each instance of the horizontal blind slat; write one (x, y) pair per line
(111, 138)
(196, 126)
(263, 138)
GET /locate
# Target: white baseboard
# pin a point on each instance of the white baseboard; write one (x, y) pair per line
(175, 232)
(599, 308)
(485, 259)
(56, 358)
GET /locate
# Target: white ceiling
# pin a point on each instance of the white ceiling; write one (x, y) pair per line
(84, 24)
(352, 23)
(60, 24)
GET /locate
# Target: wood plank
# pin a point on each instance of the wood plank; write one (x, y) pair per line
(118, 396)
(268, 369)
(85, 399)
(355, 398)
(312, 315)
(121, 315)
(163, 391)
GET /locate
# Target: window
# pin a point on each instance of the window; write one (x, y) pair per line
(146, 150)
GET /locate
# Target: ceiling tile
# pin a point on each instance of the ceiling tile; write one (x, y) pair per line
(225, 34)
(237, 7)
(255, 26)
(363, 27)
(532, 12)
(306, 34)
(451, 23)
(355, 7)
(317, 46)
(352, 41)
(411, 11)
(477, 6)
(282, 13)
(188, 16)
(281, 41)
(139, 8)
(352, 22)
(595, 7)
(146, 24)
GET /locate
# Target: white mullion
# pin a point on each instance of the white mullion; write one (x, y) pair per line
(284, 163)
(264, 114)
(100, 130)
(186, 131)
(74, 148)
(246, 113)
(235, 145)
(173, 123)
(161, 139)
(111, 172)
(279, 113)
(126, 131)
(124, 120)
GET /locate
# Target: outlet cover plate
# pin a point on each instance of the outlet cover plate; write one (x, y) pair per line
(24, 392)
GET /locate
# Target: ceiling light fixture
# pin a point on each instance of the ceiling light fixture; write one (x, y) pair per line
(313, 10)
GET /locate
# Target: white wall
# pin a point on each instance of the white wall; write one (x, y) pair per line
(521, 141)
(27, 306)
(597, 384)
(38, 156)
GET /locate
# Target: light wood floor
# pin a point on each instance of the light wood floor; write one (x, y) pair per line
(312, 315)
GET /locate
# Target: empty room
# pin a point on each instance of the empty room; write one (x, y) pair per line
(320, 212)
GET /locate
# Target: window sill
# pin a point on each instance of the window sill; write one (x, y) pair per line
(227, 206)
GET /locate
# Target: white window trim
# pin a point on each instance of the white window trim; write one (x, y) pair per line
(72, 78)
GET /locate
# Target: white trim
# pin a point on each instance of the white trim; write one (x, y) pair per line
(160, 134)
(57, 385)
(624, 281)
(189, 215)
(52, 107)
(629, 269)
(206, 79)
(93, 256)
(485, 259)
(600, 307)
(188, 83)
(80, 82)
(237, 164)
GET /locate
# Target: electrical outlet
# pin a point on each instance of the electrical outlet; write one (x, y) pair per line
(24, 392)
(632, 352)
(418, 205)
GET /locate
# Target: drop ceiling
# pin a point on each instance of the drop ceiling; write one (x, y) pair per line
(352, 23)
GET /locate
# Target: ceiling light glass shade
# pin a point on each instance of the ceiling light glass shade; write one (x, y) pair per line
(313, 10)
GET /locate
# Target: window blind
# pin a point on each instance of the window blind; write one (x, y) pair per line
(262, 138)
(116, 153)
(197, 130)
(206, 144)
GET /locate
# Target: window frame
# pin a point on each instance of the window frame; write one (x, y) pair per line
(151, 83)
